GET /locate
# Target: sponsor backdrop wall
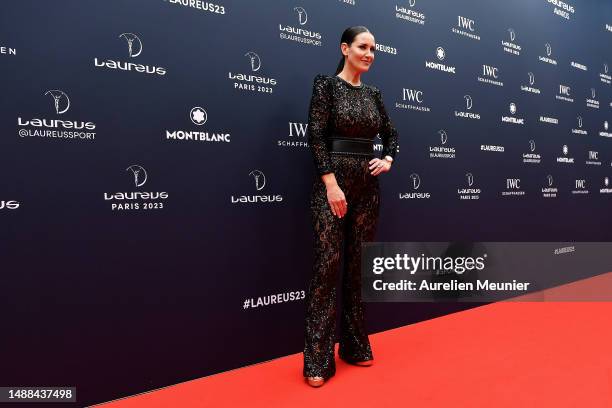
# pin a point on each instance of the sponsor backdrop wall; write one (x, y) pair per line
(156, 174)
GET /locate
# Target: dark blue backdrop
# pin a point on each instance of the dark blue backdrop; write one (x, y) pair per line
(121, 301)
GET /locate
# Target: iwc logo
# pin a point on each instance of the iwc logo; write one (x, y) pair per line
(466, 27)
(564, 93)
(490, 75)
(412, 99)
(198, 117)
(580, 187)
(297, 136)
(593, 158)
(513, 188)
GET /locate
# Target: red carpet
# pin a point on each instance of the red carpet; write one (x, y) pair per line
(508, 354)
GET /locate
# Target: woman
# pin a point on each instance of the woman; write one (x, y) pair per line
(344, 117)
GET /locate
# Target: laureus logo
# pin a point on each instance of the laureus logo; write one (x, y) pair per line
(61, 101)
(605, 68)
(579, 122)
(416, 181)
(550, 180)
(134, 44)
(443, 136)
(548, 49)
(302, 15)
(198, 116)
(468, 102)
(531, 78)
(412, 3)
(260, 182)
(139, 174)
(260, 179)
(470, 179)
(255, 60)
(512, 34)
(532, 145)
(9, 205)
(593, 93)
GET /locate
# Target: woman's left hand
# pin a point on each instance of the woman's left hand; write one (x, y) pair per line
(379, 166)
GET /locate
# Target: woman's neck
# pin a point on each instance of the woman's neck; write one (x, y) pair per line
(352, 77)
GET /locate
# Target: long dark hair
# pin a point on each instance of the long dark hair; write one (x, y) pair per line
(348, 36)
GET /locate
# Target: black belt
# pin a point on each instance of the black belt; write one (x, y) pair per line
(352, 145)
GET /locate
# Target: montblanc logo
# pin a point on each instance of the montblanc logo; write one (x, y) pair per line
(593, 158)
(61, 101)
(605, 131)
(259, 181)
(470, 192)
(415, 182)
(565, 159)
(579, 130)
(513, 188)
(605, 77)
(198, 117)
(511, 47)
(513, 119)
(443, 151)
(296, 137)
(468, 106)
(532, 157)
(57, 128)
(199, 5)
(9, 205)
(466, 27)
(530, 88)
(440, 55)
(251, 82)
(564, 93)
(490, 75)
(134, 49)
(592, 102)
(300, 35)
(580, 187)
(548, 191)
(408, 14)
(136, 200)
(412, 99)
(547, 58)
(562, 9)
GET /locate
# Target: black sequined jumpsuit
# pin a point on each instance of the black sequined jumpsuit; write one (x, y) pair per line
(341, 109)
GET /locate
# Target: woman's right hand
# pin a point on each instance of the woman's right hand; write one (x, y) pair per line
(337, 201)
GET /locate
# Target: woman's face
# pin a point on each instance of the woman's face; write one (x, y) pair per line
(360, 54)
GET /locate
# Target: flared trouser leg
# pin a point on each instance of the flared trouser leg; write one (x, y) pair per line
(330, 234)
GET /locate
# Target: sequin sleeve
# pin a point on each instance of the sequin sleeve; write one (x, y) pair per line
(387, 131)
(318, 117)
